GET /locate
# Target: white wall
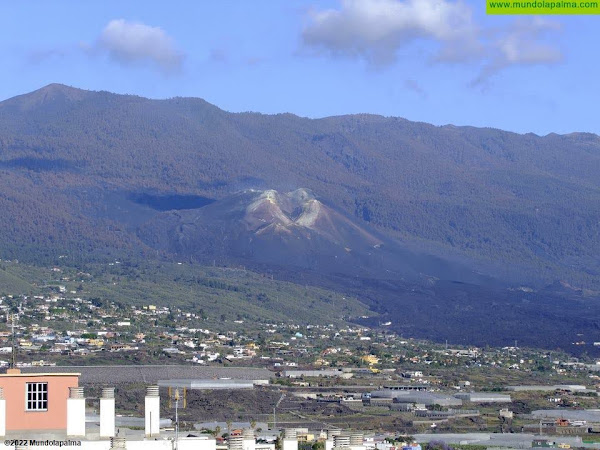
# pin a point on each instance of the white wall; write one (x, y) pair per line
(87, 445)
(197, 444)
(290, 444)
(265, 446)
(76, 417)
(107, 417)
(162, 444)
(248, 444)
(152, 416)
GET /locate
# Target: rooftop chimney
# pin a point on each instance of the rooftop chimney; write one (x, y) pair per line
(107, 413)
(291, 433)
(356, 439)
(341, 440)
(290, 440)
(152, 411)
(76, 412)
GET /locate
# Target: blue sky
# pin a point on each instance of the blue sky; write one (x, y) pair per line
(437, 61)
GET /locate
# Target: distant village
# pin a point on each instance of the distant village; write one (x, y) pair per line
(44, 329)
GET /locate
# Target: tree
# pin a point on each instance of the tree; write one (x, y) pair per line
(437, 445)
(319, 445)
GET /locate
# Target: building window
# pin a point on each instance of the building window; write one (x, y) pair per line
(37, 397)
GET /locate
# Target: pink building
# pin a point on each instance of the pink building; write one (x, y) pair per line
(37, 401)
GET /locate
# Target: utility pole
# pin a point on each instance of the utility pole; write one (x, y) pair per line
(274, 407)
(13, 363)
(176, 397)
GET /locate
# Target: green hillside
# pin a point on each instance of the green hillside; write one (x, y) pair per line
(11, 283)
(216, 292)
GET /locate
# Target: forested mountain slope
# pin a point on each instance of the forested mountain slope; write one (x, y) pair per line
(80, 171)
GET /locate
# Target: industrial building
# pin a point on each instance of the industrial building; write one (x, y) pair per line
(549, 388)
(317, 373)
(211, 384)
(407, 387)
(421, 397)
(483, 397)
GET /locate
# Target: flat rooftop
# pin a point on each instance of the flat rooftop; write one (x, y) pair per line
(42, 374)
(208, 384)
(554, 387)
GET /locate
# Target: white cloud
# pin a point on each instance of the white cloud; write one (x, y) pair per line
(375, 30)
(521, 44)
(132, 42)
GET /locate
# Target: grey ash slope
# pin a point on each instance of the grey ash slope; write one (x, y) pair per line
(294, 230)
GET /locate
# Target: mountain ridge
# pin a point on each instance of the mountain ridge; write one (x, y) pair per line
(72, 91)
